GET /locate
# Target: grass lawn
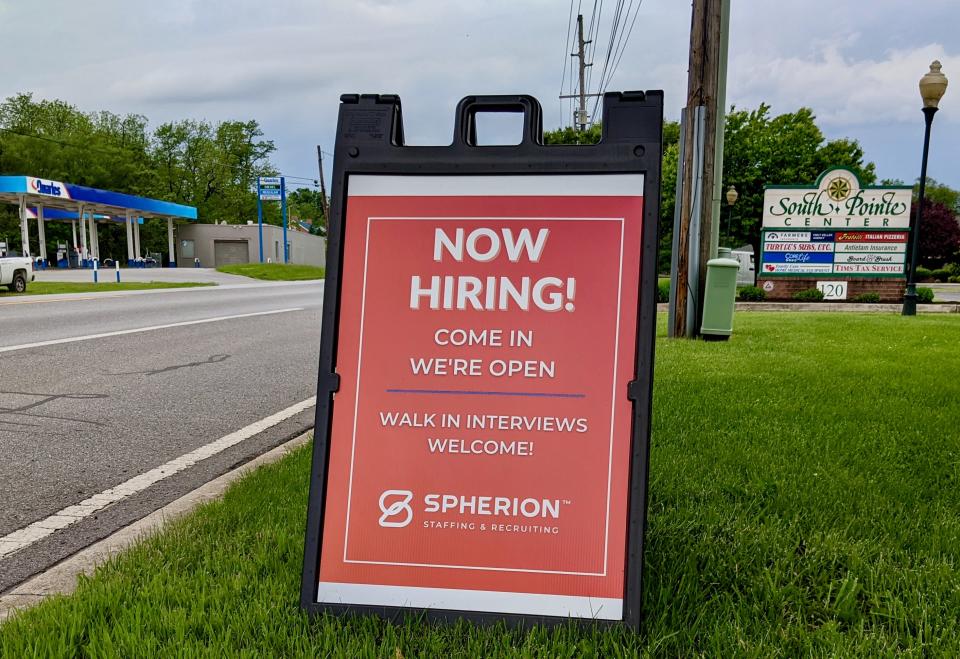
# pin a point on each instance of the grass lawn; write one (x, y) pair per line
(274, 271)
(52, 287)
(804, 500)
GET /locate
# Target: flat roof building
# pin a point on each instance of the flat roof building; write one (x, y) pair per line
(226, 244)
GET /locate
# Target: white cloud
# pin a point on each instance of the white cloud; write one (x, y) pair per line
(842, 90)
(286, 62)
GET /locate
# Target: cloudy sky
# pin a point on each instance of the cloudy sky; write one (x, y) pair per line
(285, 63)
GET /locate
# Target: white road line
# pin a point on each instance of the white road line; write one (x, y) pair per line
(71, 514)
(87, 337)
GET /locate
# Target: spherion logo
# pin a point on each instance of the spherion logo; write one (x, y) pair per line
(394, 503)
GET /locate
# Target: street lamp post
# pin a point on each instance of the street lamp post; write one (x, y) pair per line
(932, 86)
(731, 200)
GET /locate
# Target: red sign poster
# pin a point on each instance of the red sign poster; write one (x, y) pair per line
(480, 443)
(872, 236)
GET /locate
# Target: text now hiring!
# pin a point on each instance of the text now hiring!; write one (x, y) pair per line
(546, 293)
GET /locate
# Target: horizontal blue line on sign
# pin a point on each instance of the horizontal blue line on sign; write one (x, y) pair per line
(483, 393)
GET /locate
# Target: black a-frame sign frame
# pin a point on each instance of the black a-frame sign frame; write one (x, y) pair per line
(485, 378)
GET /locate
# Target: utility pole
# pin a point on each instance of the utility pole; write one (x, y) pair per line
(323, 187)
(701, 132)
(581, 118)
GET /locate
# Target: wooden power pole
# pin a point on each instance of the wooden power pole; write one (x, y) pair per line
(580, 117)
(323, 187)
(698, 162)
(582, 111)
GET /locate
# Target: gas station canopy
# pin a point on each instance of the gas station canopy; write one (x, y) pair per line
(78, 203)
(70, 197)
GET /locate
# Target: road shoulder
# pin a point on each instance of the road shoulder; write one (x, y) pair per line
(61, 579)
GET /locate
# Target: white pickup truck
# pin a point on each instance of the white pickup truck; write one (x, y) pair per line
(15, 272)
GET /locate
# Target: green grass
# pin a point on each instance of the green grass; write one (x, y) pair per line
(53, 287)
(274, 271)
(804, 500)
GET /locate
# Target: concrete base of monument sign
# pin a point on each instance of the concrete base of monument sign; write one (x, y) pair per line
(783, 288)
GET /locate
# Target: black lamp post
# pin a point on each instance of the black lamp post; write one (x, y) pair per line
(731, 200)
(932, 86)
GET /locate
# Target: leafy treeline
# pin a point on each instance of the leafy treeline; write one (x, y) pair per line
(212, 166)
(758, 150)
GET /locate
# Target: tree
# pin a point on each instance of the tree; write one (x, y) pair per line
(53, 139)
(939, 235)
(211, 166)
(940, 193)
(305, 204)
(571, 135)
(761, 150)
(668, 180)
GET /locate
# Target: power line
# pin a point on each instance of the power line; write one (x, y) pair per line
(625, 41)
(621, 30)
(595, 18)
(566, 49)
(613, 32)
(43, 138)
(615, 35)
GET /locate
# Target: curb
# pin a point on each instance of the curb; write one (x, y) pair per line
(844, 306)
(61, 579)
(835, 306)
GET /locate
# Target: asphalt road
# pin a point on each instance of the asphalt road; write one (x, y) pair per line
(80, 417)
(945, 292)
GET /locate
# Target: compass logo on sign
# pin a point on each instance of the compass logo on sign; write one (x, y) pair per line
(839, 188)
(394, 503)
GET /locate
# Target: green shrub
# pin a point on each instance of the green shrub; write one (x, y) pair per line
(955, 279)
(809, 295)
(867, 298)
(924, 274)
(752, 294)
(953, 269)
(940, 274)
(924, 295)
(663, 290)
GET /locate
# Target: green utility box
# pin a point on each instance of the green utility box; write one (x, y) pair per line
(720, 297)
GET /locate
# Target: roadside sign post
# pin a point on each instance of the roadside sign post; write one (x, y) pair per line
(259, 220)
(271, 188)
(488, 330)
(283, 213)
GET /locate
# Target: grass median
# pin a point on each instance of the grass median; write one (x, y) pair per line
(274, 271)
(55, 287)
(804, 500)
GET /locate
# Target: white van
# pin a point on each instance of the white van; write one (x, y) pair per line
(747, 274)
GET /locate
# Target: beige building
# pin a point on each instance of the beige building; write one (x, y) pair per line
(224, 244)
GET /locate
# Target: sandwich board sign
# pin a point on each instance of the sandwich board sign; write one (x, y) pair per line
(483, 399)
